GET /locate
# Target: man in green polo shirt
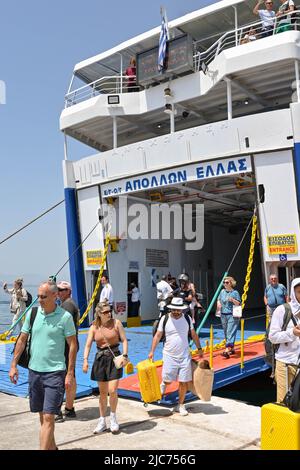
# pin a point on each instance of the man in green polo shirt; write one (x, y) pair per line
(48, 378)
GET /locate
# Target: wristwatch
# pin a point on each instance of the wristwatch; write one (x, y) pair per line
(125, 355)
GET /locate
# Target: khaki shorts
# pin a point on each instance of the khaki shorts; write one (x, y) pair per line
(280, 377)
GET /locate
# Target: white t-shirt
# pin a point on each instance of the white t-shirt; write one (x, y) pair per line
(250, 37)
(289, 349)
(176, 331)
(163, 290)
(107, 293)
(267, 17)
(135, 295)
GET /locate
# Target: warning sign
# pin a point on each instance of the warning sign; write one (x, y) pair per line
(93, 257)
(285, 244)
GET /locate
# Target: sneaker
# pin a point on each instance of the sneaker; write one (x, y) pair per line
(59, 418)
(70, 413)
(182, 410)
(101, 426)
(114, 426)
(226, 354)
(163, 388)
(231, 352)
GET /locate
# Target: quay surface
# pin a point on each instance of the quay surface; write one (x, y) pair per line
(222, 424)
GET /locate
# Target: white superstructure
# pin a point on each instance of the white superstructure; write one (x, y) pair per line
(221, 127)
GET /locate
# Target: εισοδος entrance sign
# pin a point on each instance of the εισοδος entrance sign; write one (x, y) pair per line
(282, 244)
(93, 257)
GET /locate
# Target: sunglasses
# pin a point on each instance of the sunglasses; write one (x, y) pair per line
(226, 282)
(105, 312)
(43, 297)
(62, 290)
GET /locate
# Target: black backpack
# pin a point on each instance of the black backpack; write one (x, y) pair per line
(25, 356)
(29, 299)
(292, 398)
(271, 348)
(163, 338)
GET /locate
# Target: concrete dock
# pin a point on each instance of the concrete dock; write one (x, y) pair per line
(221, 424)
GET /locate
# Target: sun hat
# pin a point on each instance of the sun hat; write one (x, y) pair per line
(64, 285)
(177, 304)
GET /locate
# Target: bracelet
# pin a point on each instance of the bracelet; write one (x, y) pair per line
(85, 358)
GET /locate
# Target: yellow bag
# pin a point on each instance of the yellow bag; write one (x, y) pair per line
(149, 382)
(203, 380)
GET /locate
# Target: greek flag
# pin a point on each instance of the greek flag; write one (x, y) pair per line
(164, 36)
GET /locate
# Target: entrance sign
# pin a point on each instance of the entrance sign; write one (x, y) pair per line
(93, 257)
(285, 244)
(178, 175)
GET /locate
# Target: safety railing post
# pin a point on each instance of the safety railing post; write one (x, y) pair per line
(242, 342)
(211, 346)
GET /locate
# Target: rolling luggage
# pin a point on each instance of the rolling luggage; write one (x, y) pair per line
(280, 428)
(149, 382)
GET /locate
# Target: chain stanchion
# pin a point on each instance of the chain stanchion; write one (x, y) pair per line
(250, 262)
(108, 239)
(211, 346)
(97, 286)
(242, 342)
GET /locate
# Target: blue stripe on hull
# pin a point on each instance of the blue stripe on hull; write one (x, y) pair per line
(76, 261)
(297, 170)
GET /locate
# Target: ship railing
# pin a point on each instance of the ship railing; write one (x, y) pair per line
(105, 85)
(237, 37)
(242, 35)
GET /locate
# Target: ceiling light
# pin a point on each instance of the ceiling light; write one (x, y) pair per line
(168, 108)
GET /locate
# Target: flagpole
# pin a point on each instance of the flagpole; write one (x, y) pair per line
(163, 14)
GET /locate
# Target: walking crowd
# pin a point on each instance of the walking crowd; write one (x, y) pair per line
(51, 330)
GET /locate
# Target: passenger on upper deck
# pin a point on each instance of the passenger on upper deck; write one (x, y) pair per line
(249, 37)
(130, 72)
(267, 17)
(287, 6)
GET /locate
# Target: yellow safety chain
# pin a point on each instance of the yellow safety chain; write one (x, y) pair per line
(250, 262)
(97, 286)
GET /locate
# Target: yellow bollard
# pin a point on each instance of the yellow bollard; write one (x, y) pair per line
(211, 346)
(267, 319)
(242, 342)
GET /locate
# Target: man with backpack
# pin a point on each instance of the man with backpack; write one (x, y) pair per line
(285, 334)
(48, 378)
(177, 361)
(275, 295)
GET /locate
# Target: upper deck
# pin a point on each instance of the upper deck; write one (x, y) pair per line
(226, 78)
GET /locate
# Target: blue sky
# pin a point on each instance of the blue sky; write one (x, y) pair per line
(41, 43)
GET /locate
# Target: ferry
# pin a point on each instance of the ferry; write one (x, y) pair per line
(218, 128)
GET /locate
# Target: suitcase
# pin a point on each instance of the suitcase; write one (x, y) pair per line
(149, 382)
(280, 428)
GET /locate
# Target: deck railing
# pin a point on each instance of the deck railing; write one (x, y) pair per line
(118, 84)
(237, 37)
(112, 84)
